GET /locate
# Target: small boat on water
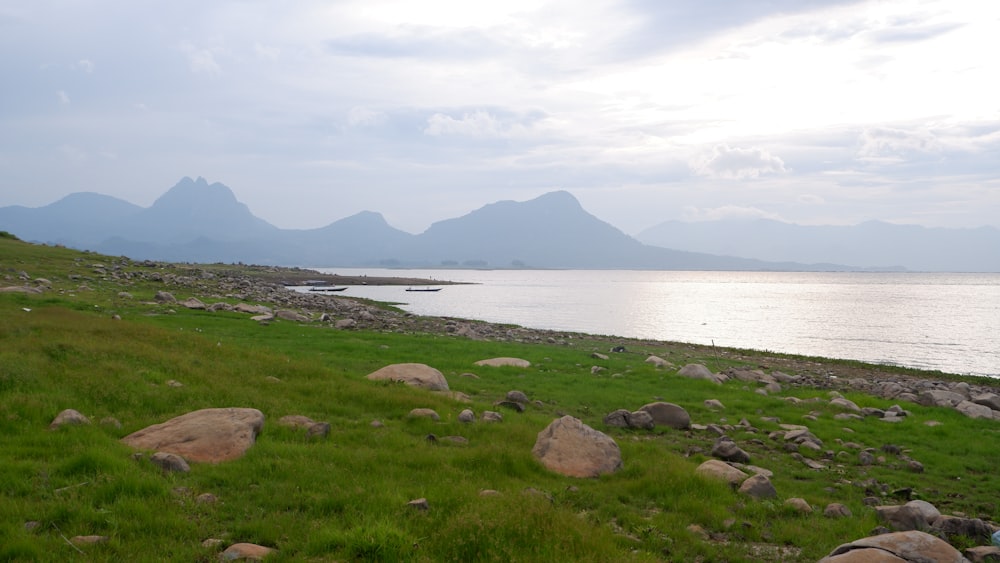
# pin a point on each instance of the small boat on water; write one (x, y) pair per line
(423, 289)
(327, 288)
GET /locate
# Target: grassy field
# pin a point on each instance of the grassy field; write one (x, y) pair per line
(81, 344)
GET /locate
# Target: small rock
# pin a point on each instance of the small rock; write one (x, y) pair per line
(250, 551)
(419, 504)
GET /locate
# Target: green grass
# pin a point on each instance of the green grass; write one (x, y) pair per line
(345, 497)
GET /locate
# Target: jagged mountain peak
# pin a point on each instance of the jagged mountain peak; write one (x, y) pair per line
(190, 193)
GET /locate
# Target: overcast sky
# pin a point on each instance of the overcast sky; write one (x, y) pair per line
(807, 111)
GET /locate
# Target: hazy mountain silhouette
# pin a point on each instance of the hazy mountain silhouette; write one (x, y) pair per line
(873, 244)
(196, 221)
(81, 219)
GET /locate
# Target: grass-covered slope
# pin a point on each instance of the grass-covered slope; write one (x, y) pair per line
(81, 344)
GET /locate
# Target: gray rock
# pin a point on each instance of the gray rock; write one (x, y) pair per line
(641, 420)
(727, 450)
(170, 462)
(466, 416)
(570, 447)
(424, 413)
(668, 414)
(699, 371)
(68, 417)
(758, 486)
(417, 375)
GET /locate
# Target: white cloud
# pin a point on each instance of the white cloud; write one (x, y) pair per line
(695, 214)
(86, 65)
(200, 60)
(476, 124)
(62, 96)
(361, 117)
(734, 163)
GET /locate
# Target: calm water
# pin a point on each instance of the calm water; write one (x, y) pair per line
(948, 322)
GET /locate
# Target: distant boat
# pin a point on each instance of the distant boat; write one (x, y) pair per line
(423, 289)
(323, 289)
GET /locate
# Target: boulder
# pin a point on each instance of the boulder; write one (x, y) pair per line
(641, 420)
(727, 450)
(845, 404)
(417, 375)
(939, 398)
(207, 435)
(799, 505)
(68, 417)
(758, 486)
(425, 413)
(902, 518)
(715, 469)
(500, 362)
(658, 362)
(164, 297)
(170, 462)
(699, 371)
(288, 315)
(972, 528)
(974, 410)
(570, 447)
(905, 546)
(193, 303)
(991, 400)
(249, 551)
(668, 414)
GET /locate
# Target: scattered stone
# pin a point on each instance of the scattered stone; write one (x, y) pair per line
(599, 356)
(164, 297)
(419, 504)
(467, 416)
(517, 397)
(207, 498)
(345, 324)
(492, 416)
(668, 414)
(170, 463)
(758, 486)
(727, 450)
(501, 362)
(193, 303)
(207, 435)
(249, 551)
(287, 315)
(799, 505)
(424, 413)
(699, 371)
(417, 375)
(658, 362)
(836, 510)
(68, 417)
(212, 543)
(489, 493)
(715, 469)
(714, 404)
(570, 447)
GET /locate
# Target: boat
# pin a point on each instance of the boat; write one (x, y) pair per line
(327, 288)
(423, 289)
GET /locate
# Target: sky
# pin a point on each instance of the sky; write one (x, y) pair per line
(813, 112)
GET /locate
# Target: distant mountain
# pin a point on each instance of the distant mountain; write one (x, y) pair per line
(872, 245)
(196, 221)
(82, 219)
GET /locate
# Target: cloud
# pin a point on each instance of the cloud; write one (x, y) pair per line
(63, 97)
(882, 142)
(727, 212)
(200, 60)
(86, 65)
(479, 123)
(734, 163)
(362, 117)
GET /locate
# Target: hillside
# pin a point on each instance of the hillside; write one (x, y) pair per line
(195, 221)
(97, 334)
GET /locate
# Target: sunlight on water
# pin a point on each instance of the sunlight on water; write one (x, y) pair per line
(948, 322)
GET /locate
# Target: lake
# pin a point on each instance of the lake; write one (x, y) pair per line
(947, 322)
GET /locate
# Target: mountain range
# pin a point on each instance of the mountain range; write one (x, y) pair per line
(195, 221)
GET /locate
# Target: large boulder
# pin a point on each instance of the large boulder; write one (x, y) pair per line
(417, 375)
(501, 362)
(715, 469)
(570, 447)
(207, 435)
(905, 546)
(668, 414)
(699, 371)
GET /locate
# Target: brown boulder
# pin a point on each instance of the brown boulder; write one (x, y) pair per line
(906, 546)
(417, 375)
(570, 447)
(668, 414)
(207, 435)
(500, 362)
